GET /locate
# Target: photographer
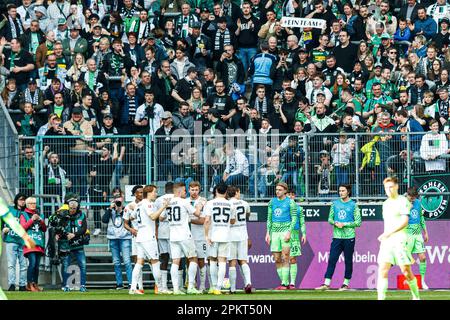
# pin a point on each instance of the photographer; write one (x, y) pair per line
(119, 239)
(148, 115)
(72, 236)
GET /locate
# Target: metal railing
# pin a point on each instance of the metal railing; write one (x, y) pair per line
(313, 165)
(9, 152)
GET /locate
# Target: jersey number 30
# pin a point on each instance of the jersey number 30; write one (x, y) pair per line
(173, 213)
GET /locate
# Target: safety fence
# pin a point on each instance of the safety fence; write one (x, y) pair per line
(313, 165)
(9, 152)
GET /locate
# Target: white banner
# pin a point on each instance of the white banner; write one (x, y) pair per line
(291, 22)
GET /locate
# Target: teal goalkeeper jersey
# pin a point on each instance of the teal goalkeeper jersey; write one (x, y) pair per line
(416, 219)
(281, 215)
(347, 213)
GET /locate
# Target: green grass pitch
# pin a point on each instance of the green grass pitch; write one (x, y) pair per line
(94, 294)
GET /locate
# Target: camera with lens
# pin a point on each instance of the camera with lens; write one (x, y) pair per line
(118, 203)
(57, 223)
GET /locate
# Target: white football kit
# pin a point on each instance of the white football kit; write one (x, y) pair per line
(181, 240)
(146, 244)
(163, 227)
(220, 213)
(127, 213)
(238, 234)
(198, 231)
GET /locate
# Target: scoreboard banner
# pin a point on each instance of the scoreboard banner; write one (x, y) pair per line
(312, 264)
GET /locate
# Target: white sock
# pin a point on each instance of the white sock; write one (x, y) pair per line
(382, 286)
(233, 275)
(192, 272)
(208, 274)
(135, 275)
(164, 279)
(221, 274)
(203, 278)
(140, 282)
(246, 271)
(157, 274)
(213, 274)
(174, 275)
(180, 279)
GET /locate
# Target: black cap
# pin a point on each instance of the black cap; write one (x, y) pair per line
(32, 81)
(77, 110)
(205, 10)
(196, 25)
(445, 19)
(71, 196)
(108, 115)
(302, 50)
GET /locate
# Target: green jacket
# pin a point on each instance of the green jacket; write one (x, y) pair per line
(81, 46)
(77, 225)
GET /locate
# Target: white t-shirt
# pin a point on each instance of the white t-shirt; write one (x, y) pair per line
(219, 210)
(146, 226)
(240, 208)
(177, 213)
(198, 231)
(393, 210)
(154, 123)
(163, 228)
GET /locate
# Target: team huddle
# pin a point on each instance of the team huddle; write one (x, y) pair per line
(202, 236)
(192, 229)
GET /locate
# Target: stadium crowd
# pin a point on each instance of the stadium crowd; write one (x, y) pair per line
(82, 68)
